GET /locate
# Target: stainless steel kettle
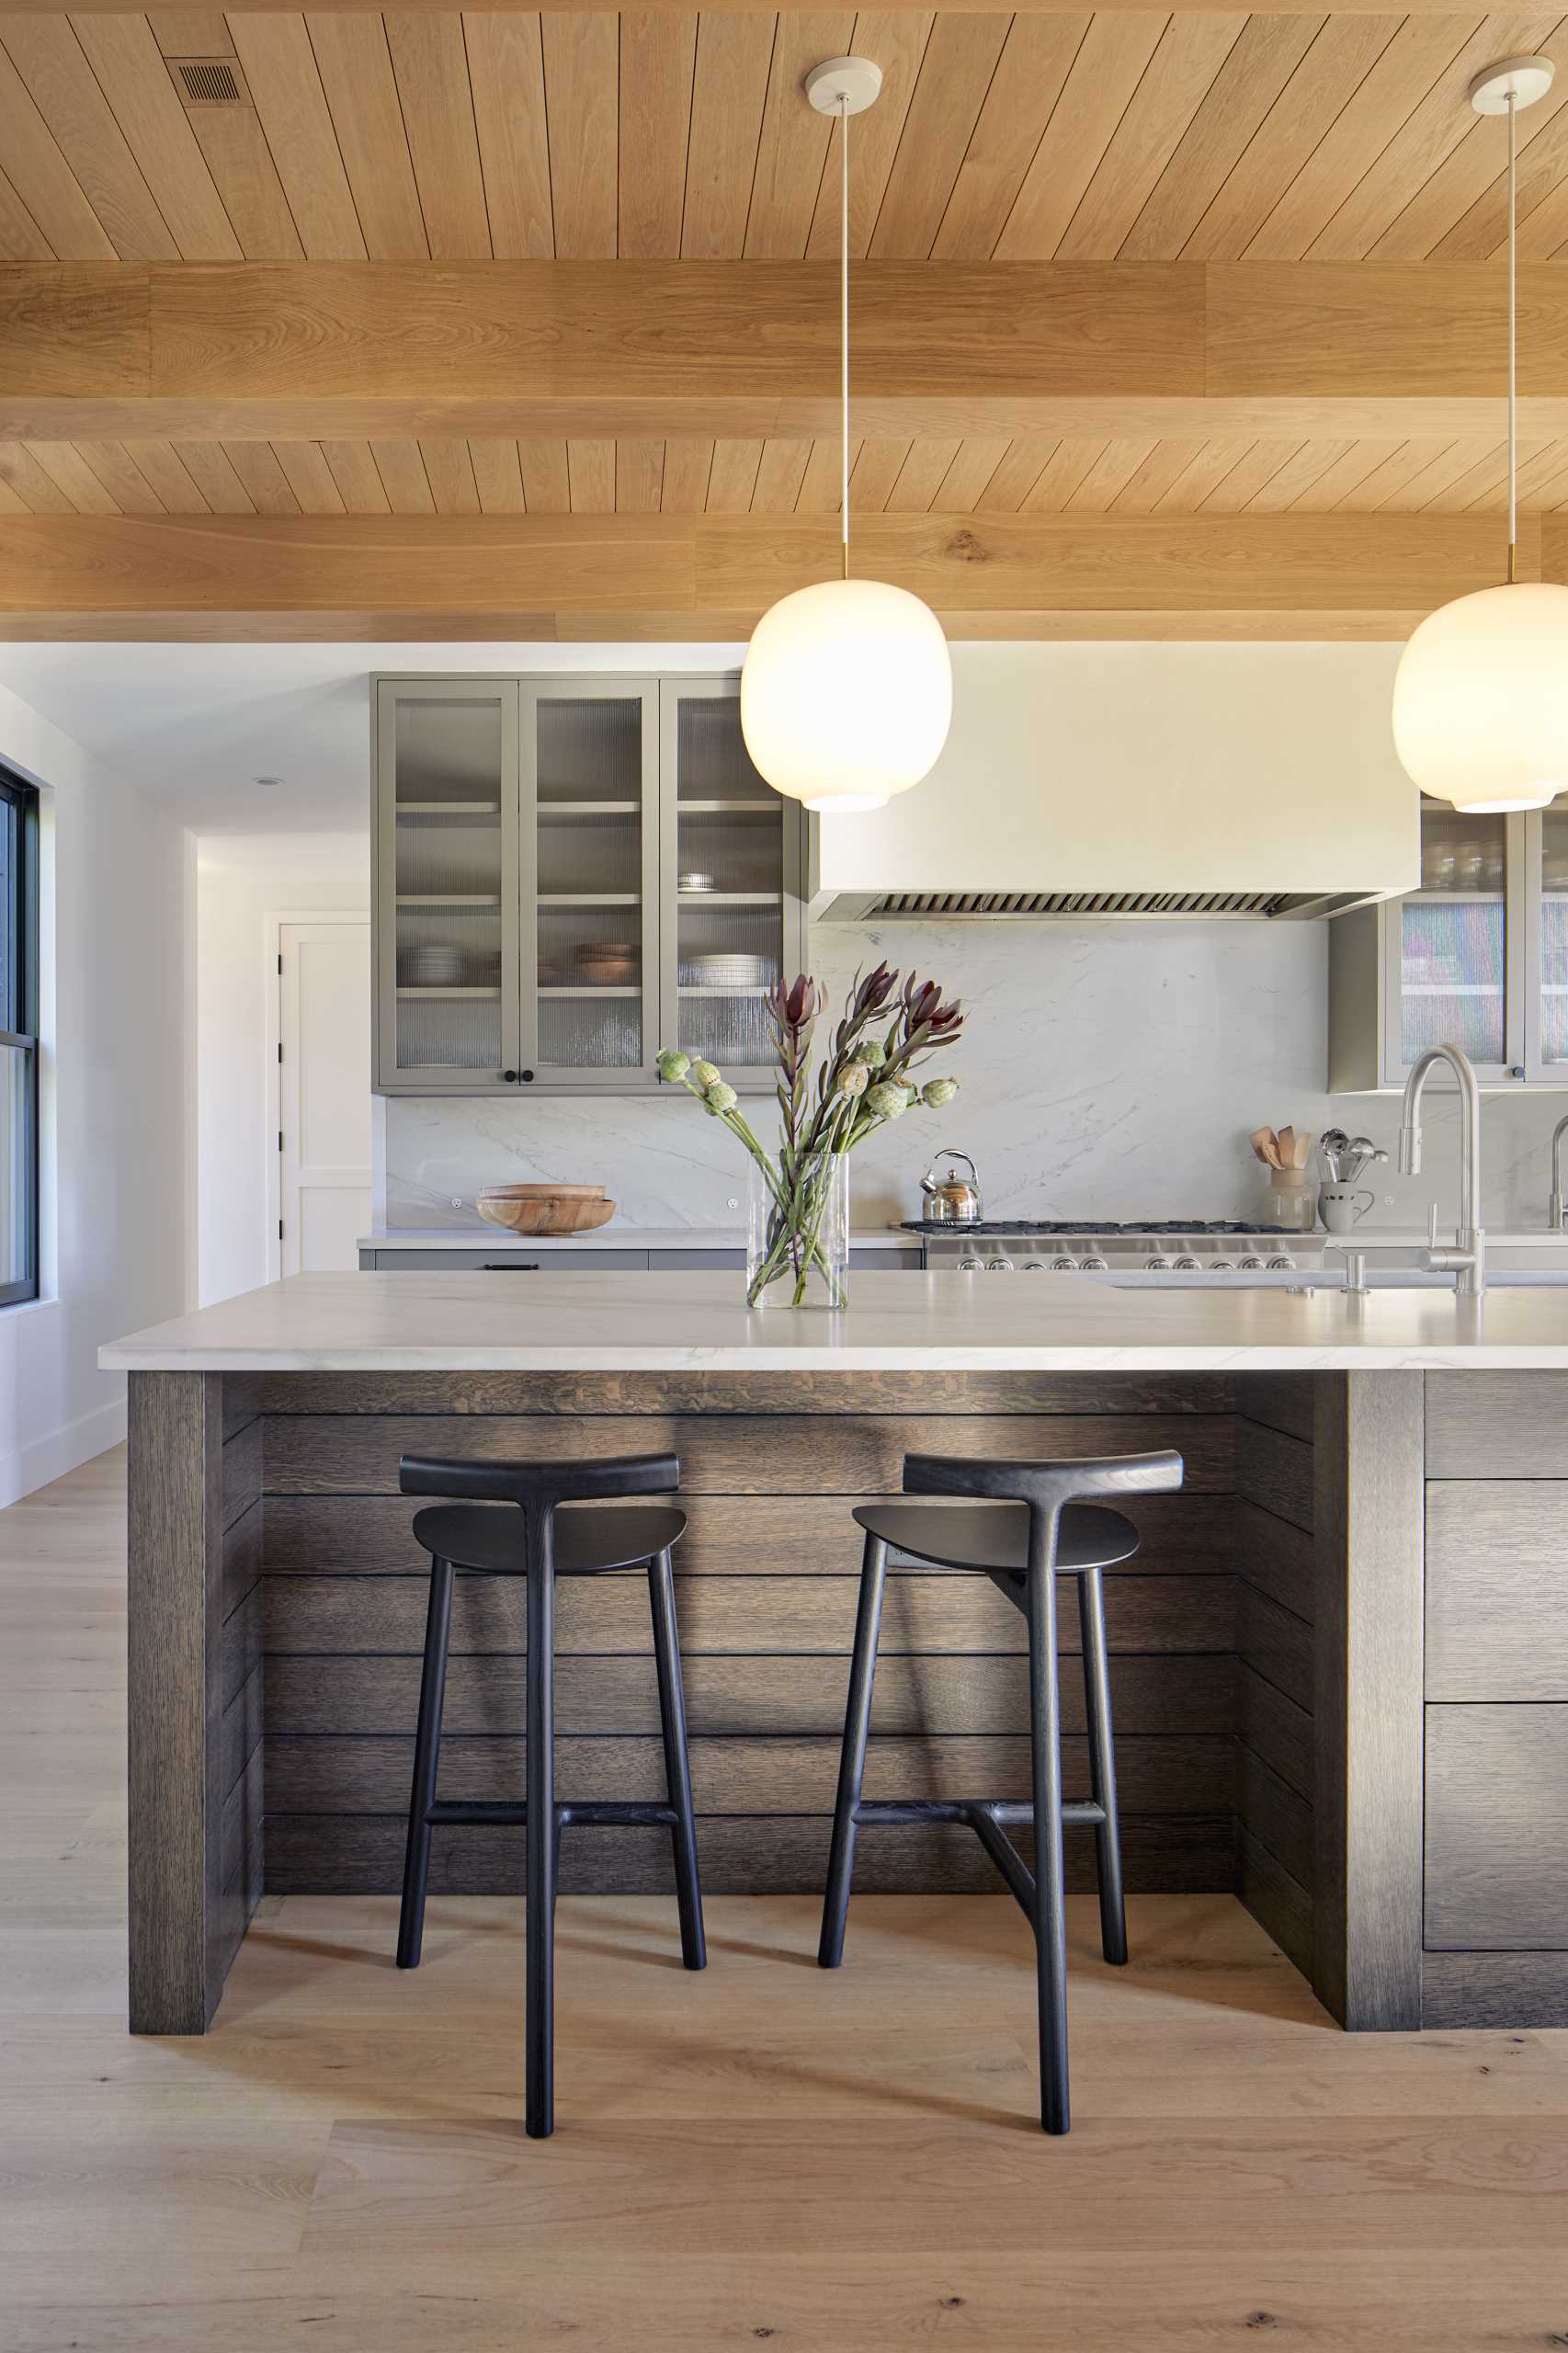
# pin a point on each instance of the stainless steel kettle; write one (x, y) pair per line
(951, 1200)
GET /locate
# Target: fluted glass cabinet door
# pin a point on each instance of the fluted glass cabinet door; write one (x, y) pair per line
(731, 861)
(1455, 975)
(589, 884)
(447, 884)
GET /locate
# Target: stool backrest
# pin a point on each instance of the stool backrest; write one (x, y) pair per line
(538, 1486)
(1045, 1486)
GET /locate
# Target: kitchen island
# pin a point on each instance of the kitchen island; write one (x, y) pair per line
(1339, 1661)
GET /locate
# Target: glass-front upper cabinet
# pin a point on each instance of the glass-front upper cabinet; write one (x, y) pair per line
(1549, 957)
(731, 863)
(571, 873)
(590, 897)
(1452, 981)
(447, 886)
(1476, 956)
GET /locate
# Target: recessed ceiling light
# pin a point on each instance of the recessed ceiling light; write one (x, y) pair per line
(267, 783)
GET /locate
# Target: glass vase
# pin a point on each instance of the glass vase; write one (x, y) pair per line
(798, 1236)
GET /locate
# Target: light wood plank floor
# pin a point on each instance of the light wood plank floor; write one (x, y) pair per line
(762, 2154)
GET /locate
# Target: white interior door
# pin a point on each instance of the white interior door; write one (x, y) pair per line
(323, 1093)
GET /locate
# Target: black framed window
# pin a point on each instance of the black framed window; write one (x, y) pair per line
(18, 1040)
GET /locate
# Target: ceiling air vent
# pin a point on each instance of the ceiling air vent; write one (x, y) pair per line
(1076, 906)
(209, 82)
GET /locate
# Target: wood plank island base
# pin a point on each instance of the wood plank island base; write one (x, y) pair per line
(1359, 1574)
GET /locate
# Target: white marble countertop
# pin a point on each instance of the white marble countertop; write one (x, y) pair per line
(699, 1323)
(607, 1237)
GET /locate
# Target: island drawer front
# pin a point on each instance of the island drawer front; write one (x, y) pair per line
(1497, 1589)
(1497, 1424)
(505, 1259)
(1496, 1829)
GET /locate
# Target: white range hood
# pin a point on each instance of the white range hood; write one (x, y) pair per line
(1085, 780)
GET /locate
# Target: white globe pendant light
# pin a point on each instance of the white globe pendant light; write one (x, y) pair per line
(846, 692)
(1481, 698)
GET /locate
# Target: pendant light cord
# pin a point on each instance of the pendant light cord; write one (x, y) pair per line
(844, 324)
(1512, 346)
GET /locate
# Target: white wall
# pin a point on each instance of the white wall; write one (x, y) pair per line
(113, 1072)
(241, 881)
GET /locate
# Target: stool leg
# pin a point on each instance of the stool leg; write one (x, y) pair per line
(852, 1757)
(427, 1758)
(540, 1960)
(1051, 1901)
(1102, 1765)
(678, 1763)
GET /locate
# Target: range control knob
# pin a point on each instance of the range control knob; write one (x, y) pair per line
(1250, 1265)
(1221, 1265)
(1157, 1265)
(1093, 1265)
(1064, 1265)
(999, 1266)
(1186, 1265)
(1036, 1267)
(972, 1265)
(1281, 1266)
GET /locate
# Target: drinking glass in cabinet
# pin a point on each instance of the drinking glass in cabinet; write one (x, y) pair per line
(449, 786)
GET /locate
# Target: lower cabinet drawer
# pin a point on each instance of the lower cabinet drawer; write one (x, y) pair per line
(506, 1258)
(1497, 1589)
(1497, 1877)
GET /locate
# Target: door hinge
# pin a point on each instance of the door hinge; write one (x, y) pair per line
(279, 1138)
(280, 960)
(280, 1050)
(279, 1229)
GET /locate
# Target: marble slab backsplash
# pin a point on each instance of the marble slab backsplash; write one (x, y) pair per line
(1107, 1069)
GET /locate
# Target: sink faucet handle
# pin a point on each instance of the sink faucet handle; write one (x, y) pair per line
(1431, 1225)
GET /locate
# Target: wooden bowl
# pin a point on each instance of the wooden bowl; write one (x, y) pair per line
(540, 1208)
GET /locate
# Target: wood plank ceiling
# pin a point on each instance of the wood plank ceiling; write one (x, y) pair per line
(414, 136)
(404, 137)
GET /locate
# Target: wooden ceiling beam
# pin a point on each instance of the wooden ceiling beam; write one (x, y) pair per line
(750, 7)
(682, 576)
(748, 349)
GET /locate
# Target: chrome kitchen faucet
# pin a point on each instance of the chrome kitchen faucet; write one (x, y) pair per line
(1468, 1259)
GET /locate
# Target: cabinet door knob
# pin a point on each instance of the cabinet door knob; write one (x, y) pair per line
(525, 1074)
(1517, 1070)
(510, 1076)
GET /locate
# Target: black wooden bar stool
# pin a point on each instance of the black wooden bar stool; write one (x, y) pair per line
(1031, 1528)
(507, 1526)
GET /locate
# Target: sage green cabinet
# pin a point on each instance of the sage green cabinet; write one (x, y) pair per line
(571, 873)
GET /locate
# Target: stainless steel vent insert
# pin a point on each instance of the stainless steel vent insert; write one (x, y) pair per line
(209, 82)
(1082, 907)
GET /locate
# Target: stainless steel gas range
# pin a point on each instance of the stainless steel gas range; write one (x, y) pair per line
(1152, 1245)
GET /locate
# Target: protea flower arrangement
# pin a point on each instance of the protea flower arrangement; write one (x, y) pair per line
(800, 1246)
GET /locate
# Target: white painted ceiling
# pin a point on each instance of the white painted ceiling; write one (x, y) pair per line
(198, 724)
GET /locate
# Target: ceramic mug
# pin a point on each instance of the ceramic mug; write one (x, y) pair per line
(1336, 1206)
